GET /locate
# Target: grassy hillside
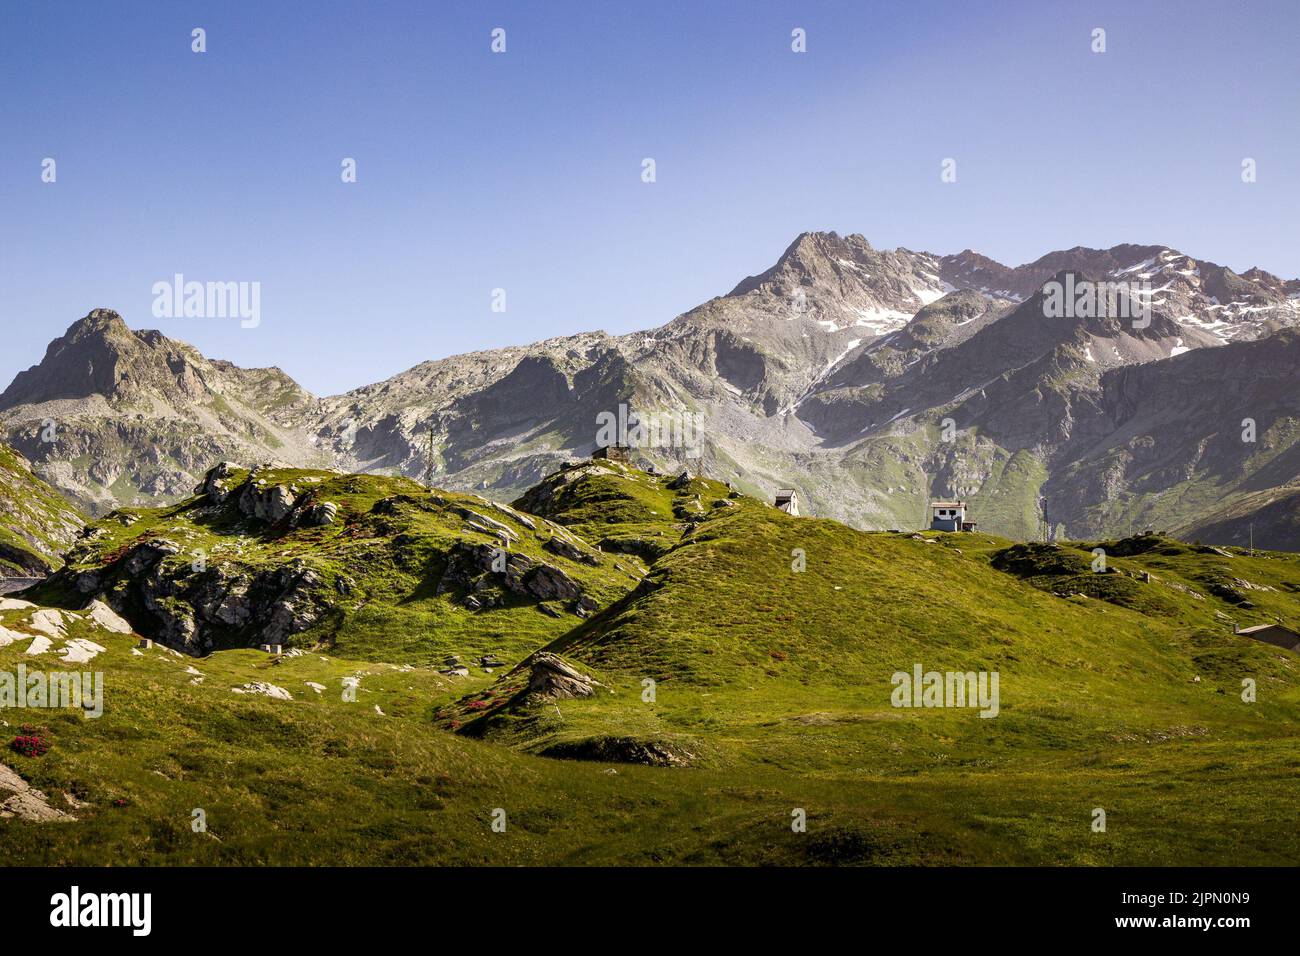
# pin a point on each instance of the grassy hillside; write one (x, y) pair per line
(1270, 518)
(746, 676)
(624, 510)
(36, 524)
(759, 666)
(401, 573)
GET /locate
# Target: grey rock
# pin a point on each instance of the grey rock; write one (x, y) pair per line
(270, 504)
(566, 549)
(550, 678)
(320, 514)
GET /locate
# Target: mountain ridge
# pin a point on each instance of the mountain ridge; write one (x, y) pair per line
(787, 369)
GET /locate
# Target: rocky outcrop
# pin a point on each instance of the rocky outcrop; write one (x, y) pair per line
(566, 548)
(216, 484)
(549, 678)
(263, 689)
(159, 592)
(266, 503)
(147, 554)
(19, 799)
(481, 568)
(318, 515)
(269, 504)
(650, 753)
(106, 618)
(485, 524)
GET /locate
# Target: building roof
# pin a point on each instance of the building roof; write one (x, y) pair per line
(786, 492)
(1266, 627)
(947, 504)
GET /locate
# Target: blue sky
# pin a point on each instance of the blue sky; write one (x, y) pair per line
(522, 170)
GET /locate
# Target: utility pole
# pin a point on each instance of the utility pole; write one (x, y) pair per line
(428, 460)
(1252, 539)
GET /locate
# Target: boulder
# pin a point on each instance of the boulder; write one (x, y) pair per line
(566, 549)
(215, 486)
(472, 566)
(320, 514)
(264, 689)
(107, 618)
(549, 583)
(270, 504)
(550, 678)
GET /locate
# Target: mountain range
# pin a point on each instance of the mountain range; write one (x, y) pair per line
(870, 380)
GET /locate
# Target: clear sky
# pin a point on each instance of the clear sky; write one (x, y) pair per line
(522, 170)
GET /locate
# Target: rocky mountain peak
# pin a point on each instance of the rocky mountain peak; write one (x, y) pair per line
(143, 411)
(813, 258)
(97, 322)
(837, 363)
(88, 359)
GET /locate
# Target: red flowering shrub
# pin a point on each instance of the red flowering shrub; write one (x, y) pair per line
(477, 705)
(30, 742)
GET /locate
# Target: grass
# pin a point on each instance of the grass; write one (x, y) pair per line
(385, 553)
(770, 642)
(36, 524)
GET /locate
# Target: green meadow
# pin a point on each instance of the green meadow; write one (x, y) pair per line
(751, 652)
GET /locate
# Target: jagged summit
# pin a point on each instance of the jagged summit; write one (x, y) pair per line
(86, 360)
(115, 416)
(811, 255)
(95, 321)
